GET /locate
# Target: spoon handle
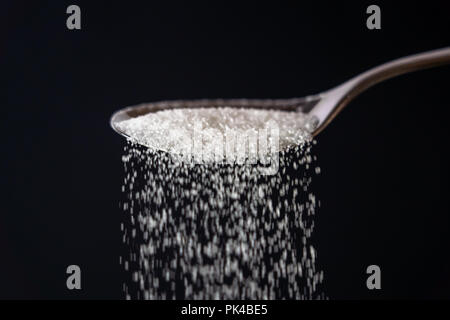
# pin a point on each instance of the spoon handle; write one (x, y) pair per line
(400, 66)
(337, 98)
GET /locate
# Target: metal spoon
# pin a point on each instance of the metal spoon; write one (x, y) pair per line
(321, 108)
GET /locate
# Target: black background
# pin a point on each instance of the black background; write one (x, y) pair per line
(384, 182)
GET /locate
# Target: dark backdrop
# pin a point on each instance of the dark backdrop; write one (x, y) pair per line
(384, 182)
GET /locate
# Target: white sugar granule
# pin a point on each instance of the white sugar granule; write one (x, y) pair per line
(177, 130)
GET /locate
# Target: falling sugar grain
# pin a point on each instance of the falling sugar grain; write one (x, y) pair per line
(217, 205)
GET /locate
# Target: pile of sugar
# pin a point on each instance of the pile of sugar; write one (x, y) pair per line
(215, 230)
(173, 130)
